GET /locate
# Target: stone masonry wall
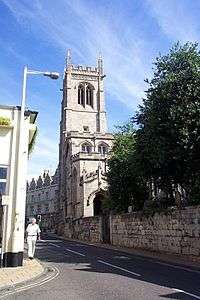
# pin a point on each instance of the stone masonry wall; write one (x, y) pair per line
(175, 232)
(85, 229)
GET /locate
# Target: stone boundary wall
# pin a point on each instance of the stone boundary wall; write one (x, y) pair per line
(173, 231)
(85, 229)
(176, 232)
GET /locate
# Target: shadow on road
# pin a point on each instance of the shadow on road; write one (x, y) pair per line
(144, 269)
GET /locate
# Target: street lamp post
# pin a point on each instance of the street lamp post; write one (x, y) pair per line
(20, 201)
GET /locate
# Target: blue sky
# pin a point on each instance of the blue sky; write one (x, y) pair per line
(128, 33)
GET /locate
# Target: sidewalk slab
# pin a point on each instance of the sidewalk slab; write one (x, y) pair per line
(12, 276)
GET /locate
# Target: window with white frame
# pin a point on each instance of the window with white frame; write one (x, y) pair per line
(3, 180)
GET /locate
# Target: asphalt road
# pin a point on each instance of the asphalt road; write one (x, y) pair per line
(89, 272)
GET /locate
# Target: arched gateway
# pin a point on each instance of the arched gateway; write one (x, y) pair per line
(98, 204)
(100, 210)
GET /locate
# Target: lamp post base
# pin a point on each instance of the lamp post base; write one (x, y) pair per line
(11, 259)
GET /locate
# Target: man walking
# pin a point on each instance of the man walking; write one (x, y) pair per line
(33, 232)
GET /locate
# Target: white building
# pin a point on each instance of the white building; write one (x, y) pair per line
(12, 186)
(42, 200)
(84, 141)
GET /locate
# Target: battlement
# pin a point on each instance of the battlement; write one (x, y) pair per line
(84, 69)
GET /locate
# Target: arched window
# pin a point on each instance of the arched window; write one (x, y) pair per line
(81, 95)
(89, 95)
(103, 149)
(86, 147)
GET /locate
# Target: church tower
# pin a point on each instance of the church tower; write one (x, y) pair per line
(84, 141)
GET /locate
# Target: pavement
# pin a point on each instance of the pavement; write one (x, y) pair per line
(86, 271)
(12, 276)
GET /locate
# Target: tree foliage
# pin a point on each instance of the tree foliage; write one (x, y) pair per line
(125, 185)
(168, 138)
(162, 155)
(5, 121)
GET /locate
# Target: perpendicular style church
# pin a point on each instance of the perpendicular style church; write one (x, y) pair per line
(84, 141)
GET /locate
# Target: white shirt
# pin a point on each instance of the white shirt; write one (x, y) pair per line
(33, 229)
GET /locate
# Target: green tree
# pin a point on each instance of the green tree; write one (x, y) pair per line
(126, 187)
(168, 135)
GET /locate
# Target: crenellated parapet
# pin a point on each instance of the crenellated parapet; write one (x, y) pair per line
(43, 180)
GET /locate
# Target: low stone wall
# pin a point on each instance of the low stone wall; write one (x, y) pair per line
(175, 232)
(85, 229)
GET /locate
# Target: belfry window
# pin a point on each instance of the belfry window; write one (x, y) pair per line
(89, 95)
(103, 149)
(86, 148)
(81, 95)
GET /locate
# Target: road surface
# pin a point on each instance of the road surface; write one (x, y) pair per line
(89, 272)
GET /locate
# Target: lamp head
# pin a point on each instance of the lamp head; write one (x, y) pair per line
(52, 75)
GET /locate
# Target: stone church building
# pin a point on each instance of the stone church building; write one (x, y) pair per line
(84, 141)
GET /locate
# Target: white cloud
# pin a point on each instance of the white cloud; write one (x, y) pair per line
(90, 28)
(87, 31)
(176, 18)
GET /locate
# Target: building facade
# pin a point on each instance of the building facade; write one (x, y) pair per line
(17, 132)
(84, 141)
(42, 200)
